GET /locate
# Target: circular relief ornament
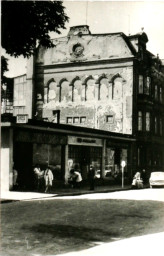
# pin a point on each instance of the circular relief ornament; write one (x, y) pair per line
(77, 50)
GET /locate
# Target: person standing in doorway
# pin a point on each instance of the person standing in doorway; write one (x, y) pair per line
(48, 177)
(15, 178)
(91, 177)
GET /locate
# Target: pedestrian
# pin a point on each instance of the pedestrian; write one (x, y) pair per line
(91, 177)
(137, 181)
(15, 178)
(48, 178)
(38, 177)
(143, 176)
(75, 179)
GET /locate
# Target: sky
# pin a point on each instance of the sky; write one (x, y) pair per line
(110, 17)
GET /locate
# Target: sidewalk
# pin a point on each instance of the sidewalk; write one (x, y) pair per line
(10, 196)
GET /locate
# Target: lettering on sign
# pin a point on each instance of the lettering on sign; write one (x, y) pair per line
(85, 140)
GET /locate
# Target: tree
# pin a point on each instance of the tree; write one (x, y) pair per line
(4, 65)
(26, 23)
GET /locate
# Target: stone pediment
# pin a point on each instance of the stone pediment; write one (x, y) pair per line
(86, 47)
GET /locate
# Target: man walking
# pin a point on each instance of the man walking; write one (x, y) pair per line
(91, 177)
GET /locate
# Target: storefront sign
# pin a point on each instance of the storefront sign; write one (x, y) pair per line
(22, 119)
(34, 137)
(84, 141)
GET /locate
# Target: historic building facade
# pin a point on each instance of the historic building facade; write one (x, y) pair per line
(110, 83)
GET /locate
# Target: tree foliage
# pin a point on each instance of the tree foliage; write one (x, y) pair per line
(26, 23)
(4, 68)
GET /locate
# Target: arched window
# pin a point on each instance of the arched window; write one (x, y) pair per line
(140, 120)
(117, 88)
(103, 89)
(65, 91)
(53, 91)
(90, 90)
(77, 91)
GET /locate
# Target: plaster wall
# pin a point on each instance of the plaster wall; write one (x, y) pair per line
(92, 96)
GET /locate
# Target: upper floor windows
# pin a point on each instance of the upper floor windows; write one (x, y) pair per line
(140, 120)
(76, 120)
(141, 84)
(148, 121)
(88, 89)
(145, 123)
(147, 87)
(144, 86)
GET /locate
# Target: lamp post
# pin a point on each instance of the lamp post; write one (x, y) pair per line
(123, 163)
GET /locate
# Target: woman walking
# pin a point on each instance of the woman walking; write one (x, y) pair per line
(48, 177)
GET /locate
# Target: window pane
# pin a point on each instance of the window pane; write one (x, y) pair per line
(76, 120)
(69, 120)
(140, 84)
(139, 121)
(109, 119)
(147, 85)
(147, 121)
(82, 119)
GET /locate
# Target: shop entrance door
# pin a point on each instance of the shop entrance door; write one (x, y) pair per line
(23, 153)
(84, 161)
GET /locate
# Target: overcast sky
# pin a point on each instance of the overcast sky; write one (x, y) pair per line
(109, 17)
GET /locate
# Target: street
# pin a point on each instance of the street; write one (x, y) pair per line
(84, 224)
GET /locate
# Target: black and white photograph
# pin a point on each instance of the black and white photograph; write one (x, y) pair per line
(82, 128)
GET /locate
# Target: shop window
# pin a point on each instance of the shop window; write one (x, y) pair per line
(140, 121)
(83, 119)
(76, 120)
(110, 119)
(140, 84)
(69, 120)
(147, 85)
(156, 92)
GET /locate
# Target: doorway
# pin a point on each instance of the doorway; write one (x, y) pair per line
(23, 164)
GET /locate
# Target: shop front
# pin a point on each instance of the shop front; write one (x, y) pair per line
(116, 153)
(83, 152)
(37, 148)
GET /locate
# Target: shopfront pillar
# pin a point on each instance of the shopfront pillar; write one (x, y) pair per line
(103, 158)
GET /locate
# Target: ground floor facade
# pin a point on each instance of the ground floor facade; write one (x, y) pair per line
(64, 147)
